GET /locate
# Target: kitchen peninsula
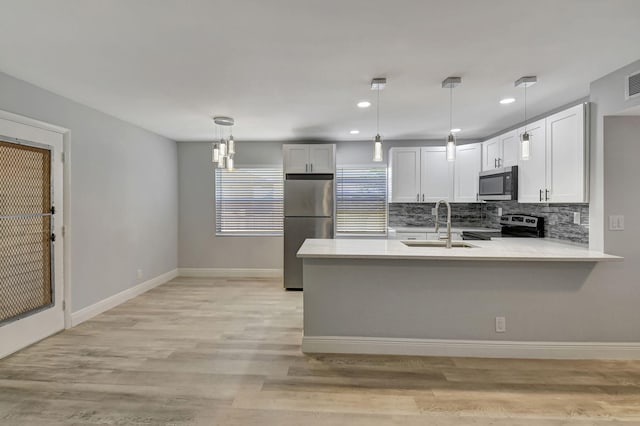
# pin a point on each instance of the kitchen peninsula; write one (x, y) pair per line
(504, 298)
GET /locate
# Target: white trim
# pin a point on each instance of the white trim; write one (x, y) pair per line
(28, 121)
(470, 348)
(230, 272)
(91, 311)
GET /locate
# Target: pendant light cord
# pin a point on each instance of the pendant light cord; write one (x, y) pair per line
(450, 108)
(525, 107)
(378, 113)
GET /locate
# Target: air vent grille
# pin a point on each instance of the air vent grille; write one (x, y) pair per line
(633, 85)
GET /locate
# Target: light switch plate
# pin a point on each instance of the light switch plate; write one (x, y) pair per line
(501, 324)
(576, 218)
(499, 211)
(616, 223)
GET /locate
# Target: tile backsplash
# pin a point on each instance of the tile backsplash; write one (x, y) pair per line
(558, 217)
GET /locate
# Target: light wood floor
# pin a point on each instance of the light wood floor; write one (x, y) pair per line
(227, 352)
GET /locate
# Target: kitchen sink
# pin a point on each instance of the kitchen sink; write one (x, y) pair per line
(424, 243)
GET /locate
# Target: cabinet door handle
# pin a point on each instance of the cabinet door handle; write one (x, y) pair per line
(495, 163)
(499, 162)
(306, 168)
(311, 168)
(417, 197)
(541, 195)
(422, 197)
(546, 195)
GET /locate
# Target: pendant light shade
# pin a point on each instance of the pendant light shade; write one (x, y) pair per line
(223, 148)
(229, 163)
(525, 138)
(215, 153)
(451, 147)
(231, 146)
(450, 83)
(377, 149)
(525, 146)
(378, 84)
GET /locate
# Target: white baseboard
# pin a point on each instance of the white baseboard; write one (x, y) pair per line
(470, 348)
(230, 272)
(91, 311)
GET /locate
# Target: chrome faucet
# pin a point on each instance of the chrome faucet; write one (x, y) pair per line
(437, 220)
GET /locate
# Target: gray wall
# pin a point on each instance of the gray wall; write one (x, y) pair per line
(198, 245)
(123, 211)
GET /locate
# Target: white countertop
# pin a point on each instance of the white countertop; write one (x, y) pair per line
(501, 249)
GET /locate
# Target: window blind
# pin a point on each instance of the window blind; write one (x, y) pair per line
(249, 201)
(361, 200)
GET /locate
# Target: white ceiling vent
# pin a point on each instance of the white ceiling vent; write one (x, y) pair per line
(632, 86)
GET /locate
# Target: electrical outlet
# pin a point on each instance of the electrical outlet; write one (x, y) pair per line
(433, 211)
(576, 218)
(139, 273)
(501, 324)
(499, 211)
(616, 223)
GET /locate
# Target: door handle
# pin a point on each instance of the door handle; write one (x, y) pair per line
(546, 195)
(541, 195)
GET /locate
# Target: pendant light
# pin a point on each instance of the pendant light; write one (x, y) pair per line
(215, 150)
(378, 84)
(525, 138)
(225, 149)
(450, 83)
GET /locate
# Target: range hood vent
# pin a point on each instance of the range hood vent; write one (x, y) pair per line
(633, 85)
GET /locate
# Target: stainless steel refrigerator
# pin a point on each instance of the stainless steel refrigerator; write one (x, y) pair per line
(308, 213)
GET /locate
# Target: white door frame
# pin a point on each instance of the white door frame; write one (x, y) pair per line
(36, 131)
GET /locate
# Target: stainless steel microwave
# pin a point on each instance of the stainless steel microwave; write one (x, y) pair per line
(498, 184)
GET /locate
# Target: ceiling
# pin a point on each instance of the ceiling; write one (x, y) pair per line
(294, 69)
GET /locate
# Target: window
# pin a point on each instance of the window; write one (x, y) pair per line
(361, 200)
(249, 201)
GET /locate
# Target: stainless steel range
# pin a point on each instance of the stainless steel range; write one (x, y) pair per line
(512, 225)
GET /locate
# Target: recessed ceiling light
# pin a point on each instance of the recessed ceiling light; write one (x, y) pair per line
(354, 132)
(364, 104)
(455, 130)
(507, 101)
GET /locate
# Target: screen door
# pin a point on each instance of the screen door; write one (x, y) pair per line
(26, 219)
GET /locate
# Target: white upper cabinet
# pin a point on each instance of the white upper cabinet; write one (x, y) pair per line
(491, 152)
(510, 149)
(322, 158)
(436, 175)
(405, 175)
(566, 156)
(308, 158)
(532, 172)
(555, 171)
(501, 151)
(424, 175)
(467, 168)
